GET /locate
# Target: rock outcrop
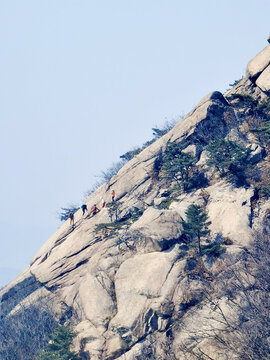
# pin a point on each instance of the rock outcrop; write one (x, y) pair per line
(125, 287)
(259, 63)
(257, 79)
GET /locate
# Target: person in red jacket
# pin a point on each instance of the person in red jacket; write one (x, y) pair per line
(94, 209)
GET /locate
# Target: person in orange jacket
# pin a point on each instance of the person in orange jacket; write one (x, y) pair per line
(113, 195)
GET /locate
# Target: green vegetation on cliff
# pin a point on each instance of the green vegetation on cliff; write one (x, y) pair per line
(58, 346)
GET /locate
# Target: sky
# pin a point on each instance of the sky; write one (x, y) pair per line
(84, 81)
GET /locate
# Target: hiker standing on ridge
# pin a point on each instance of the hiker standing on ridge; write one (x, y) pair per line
(71, 218)
(113, 195)
(94, 209)
(84, 208)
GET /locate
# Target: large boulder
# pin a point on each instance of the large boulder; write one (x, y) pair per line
(257, 65)
(230, 212)
(143, 284)
(161, 228)
(263, 80)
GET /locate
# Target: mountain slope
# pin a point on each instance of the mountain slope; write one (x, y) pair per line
(134, 288)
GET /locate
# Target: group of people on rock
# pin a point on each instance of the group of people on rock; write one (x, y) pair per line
(94, 209)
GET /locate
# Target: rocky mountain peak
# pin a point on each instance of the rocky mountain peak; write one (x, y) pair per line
(128, 279)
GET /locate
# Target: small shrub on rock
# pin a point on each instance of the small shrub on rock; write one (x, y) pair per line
(165, 204)
(257, 113)
(130, 154)
(263, 132)
(136, 213)
(263, 108)
(244, 101)
(251, 106)
(235, 82)
(160, 131)
(264, 190)
(198, 181)
(113, 227)
(213, 250)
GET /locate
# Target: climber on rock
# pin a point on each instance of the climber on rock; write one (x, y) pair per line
(113, 195)
(94, 209)
(71, 218)
(84, 208)
(103, 203)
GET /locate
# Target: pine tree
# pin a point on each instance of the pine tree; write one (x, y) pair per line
(58, 346)
(177, 165)
(228, 157)
(113, 209)
(63, 215)
(196, 225)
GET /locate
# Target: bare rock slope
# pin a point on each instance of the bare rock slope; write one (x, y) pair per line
(128, 288)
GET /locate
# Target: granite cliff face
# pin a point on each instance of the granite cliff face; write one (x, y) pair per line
(128, 289)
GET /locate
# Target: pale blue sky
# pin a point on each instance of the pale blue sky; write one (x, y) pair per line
(81, 82)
